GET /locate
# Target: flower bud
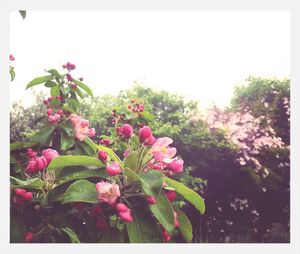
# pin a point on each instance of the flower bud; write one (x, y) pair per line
(113, 169)
(50, 154)
(29, 237)
(11, 58)
(145, 133)
(49, 111)
(74, 86)
(126, 130)
(171, 195)
(31, 167)
(102, 155)
(60, 112)
(121, 208)
(151, 200)
(28, 196)
(20, 192)
(166, 236)
(126, 216)
(176, 165)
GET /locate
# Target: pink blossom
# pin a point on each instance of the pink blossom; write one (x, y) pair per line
(81, 127)
(113, 169)
(145, 133)
(30, 153)
(126, 130)
(126, 216)
(69, 66)
(28, 196)
(41, 163)
(60, 112)
(31, 167)
(161, 150)
(108, 192)
(49, 111)
(126, 153)
(166, 236)
(176, 165)
(105, 141)
(91, 133)
(69, 77)
(11, 58)
(74, 86)
(50, 154)
(20, 192)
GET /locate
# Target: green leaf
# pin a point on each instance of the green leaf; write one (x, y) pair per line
(143, 228)
(54, 73)
(23, 14)
(112, 235)
(71, 234)
(12, 73)
(34, 183)
(74, 160)
(134, 142)
(131, 161)
(21, 145)
(111, 153)
(81, 174)
(91, 145)
(152, 182)
(17, 229)
(66, 141)
(73, 104)
(83, 86)
(54, 91)
(44, 136)
(78, 92)
(147, 116)
(185, 225)
(67, 108)
(79, 191)
(193, 197)
(50, 83)
(163, 212)
(38, 81)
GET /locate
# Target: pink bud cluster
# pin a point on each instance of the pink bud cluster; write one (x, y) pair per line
(81, 127)
(22, 196)
(113, 169)
(36, 163)
(125, 131)
(54, 117)
(146, 136)
(108, 192)
(124, 212)
(136, 107)
(69, 66)
(105, 141)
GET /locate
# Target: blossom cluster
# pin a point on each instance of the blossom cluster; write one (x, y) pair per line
(81, 127)
(39, 163)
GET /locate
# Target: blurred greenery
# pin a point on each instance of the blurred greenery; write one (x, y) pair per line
(238, 209)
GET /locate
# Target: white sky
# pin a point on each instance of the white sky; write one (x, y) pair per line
(199, 54)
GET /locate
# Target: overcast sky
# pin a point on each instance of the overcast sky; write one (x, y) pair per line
(199, 54)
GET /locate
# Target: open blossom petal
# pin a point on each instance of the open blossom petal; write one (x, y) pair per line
(108, 192)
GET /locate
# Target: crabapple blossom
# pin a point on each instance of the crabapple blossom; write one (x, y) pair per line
(50, 154)
(176, 165)
(161, 150)
(102, 155)
(126, 130)
(151, 200)
(171, 195)
(107, 192)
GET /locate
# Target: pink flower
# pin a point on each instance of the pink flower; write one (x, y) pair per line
(50, 154)
(69, 77)
(51, 119)
(11, 58)
(113, 169)
(171, 195)
(31, 167)
(30, 153)
(176, 165)
(126, 130)
(105, 141)
(60, 112)
(108, 192)
(126, 216)
(126, 153)
(151, 200)
(91, 132)
(102, 155)
(161, 150)
(69, 66)
(29, 237)
(145, 133)
(74, 86)
(81, 127)
(121, 208)
(41, 163)
(49, 111)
